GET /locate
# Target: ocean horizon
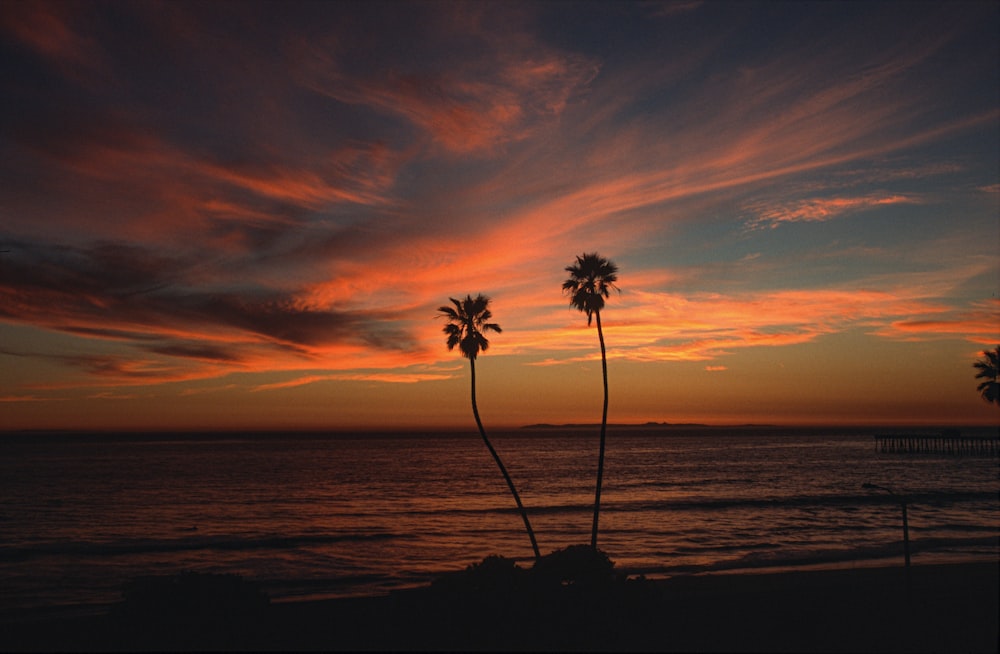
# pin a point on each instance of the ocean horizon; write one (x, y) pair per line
(975, 429)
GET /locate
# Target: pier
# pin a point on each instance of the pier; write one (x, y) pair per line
(946, 442)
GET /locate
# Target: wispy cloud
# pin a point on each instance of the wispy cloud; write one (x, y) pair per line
(107, 395)
(978, 323)
(657, 326)
(26, 398)
(381, 377)
(820, 209)
(499, 92)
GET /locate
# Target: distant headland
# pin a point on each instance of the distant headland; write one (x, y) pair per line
(545, 425)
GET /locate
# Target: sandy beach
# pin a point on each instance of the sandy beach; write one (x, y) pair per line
(948, 608)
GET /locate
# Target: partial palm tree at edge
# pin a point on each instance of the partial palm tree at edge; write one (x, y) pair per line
(590, 282)
(989, 369)
(466, 323)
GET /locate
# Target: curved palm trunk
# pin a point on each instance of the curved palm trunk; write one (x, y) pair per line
(503, 469)
(604, 426)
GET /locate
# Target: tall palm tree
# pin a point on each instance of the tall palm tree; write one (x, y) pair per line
(989, 369)
(590, 282)
(467, 322)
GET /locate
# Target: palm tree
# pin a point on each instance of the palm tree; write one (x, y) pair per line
(989, 369)
(590, 282)
(467, 322)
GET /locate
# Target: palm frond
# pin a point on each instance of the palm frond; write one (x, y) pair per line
(447, 312)
(454, 336)
(591, 280)
(989, 369)
(990, 366)
(466, 323)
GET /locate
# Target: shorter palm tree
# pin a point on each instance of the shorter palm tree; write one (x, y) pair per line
(989, 369)
(466, 323)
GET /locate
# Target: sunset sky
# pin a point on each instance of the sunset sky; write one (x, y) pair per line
(243, 215)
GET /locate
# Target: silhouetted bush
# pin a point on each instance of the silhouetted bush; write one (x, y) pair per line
(494, 574)
(576, 565)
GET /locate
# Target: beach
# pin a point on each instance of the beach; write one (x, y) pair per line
(943, 608)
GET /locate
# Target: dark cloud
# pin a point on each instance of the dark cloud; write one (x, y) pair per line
(127, 292)
(194, 350)
(101, 274)
(275, 316)
(108, 366)
(112, 334)
(111, 366)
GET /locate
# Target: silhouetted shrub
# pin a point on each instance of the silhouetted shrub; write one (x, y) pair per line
(580, 567)
(575, 565)
(494, 574)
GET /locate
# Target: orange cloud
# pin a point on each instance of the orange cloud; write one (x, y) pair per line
(978, 324)
(820, 209)
(382, 377)
(105, 395)
(487, 100)
(655, 326)
(292, 383)
(25, 398)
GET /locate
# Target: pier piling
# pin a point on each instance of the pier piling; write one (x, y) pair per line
(946, 442)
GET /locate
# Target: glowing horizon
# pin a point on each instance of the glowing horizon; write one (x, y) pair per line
(246, 216)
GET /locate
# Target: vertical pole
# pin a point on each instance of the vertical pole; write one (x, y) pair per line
(906, 532)
(906, 547)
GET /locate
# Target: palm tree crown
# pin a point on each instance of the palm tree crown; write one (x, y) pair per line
(989, 369)
(466, 323)
(590, 282)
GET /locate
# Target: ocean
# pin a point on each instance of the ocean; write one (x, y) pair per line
(311, 516)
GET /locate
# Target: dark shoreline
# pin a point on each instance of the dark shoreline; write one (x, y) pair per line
(952, 607)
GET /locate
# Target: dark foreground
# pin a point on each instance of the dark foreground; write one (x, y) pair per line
(951, 608)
